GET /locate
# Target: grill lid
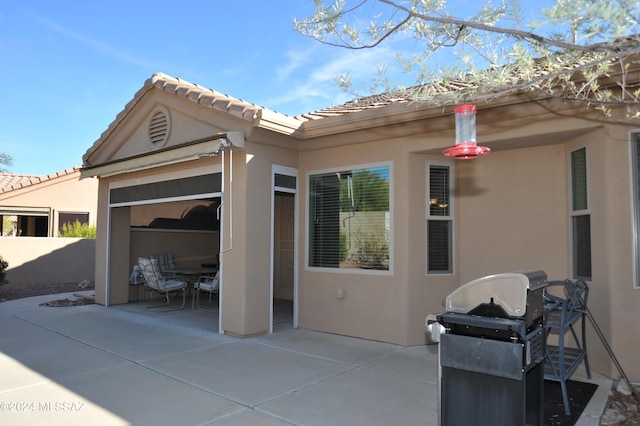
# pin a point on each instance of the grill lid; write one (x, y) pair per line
(508, 291)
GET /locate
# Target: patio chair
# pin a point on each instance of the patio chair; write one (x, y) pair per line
(166, 264)
(155, 281)
(561, 314)
(206, 284)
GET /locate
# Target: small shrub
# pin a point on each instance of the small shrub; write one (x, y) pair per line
(77, 230)
(3, 271)
(373, 252)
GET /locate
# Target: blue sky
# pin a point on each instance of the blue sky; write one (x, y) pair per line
(68, 67)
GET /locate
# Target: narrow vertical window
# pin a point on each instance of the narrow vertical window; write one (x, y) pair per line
(439, 220)
(635, 184)
(580, 217)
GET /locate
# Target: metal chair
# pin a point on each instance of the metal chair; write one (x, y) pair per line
(155, 281)
(166, 265)
(561, 314)
(206, 284)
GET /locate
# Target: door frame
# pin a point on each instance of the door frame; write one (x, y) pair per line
(292, 172)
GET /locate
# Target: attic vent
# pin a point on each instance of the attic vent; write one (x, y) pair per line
(159, 127)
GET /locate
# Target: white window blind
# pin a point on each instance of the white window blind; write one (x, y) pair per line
(580, 217)
(349, 219)
(439, 220)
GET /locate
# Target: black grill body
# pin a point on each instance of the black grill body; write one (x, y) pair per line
(492, 352)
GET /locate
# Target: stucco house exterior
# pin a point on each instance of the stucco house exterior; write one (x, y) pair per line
(33, 210)
(354, 214)
(38, 206)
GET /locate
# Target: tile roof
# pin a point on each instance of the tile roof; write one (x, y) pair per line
(436, 92)
(200, 95)
(11, 182)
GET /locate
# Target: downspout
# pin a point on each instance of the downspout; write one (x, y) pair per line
(224, 144)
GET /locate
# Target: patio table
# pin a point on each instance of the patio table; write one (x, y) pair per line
(192, 275)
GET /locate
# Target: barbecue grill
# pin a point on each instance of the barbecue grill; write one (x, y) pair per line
(492, 346)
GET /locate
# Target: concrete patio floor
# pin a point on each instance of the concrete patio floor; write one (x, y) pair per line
(129, 365)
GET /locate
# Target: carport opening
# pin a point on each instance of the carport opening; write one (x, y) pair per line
(188, 230)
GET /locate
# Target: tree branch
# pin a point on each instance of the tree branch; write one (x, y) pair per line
(527, 35)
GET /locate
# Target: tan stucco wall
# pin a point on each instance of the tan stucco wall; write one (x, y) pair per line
(119, 246)
(234, 290)
(48, 260)
(613, 300)
(512, 213)
(102, 237)
(374, 304)
(247, 264)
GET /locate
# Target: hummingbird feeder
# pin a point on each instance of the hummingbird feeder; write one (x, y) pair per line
(466, 147)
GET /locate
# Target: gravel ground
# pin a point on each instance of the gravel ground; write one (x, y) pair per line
(11, 291)
(621, 410)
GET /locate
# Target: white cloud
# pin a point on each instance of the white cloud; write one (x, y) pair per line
(97, 45)
(357, 63)
(311, 88)
(296, 59)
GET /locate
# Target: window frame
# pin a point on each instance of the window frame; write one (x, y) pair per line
(579, 212)
(449, 218)
(357, 271)
(61, 214)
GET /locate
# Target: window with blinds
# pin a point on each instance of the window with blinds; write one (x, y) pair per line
(580, 216)
(439, 220)
(349, 219)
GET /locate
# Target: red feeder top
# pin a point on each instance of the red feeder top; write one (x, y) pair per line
(464, 108)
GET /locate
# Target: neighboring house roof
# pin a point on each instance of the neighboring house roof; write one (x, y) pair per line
(11, 182)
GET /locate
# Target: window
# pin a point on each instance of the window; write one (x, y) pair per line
(635, 185)
(580, 217)
(439, 219)
(349, 219)
(71, 218)
(25, 221)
